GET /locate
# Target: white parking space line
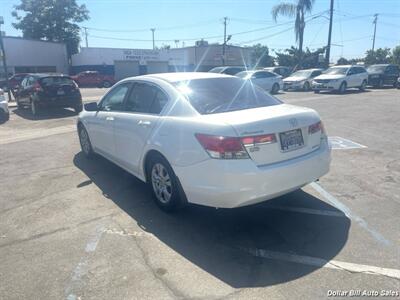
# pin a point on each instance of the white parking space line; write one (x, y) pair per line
(81, 269)
(347, 211)
(310, 211)
(339, 143)
(322, 263)
(24, 135)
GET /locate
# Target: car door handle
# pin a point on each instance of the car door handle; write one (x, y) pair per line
(144, 123)
(109, 118)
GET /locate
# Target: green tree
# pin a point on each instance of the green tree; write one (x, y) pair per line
(396, 55)
(291, 58)
(296, 10)
(343, 61)
(379, 56)
(260, 57)
(51, 20)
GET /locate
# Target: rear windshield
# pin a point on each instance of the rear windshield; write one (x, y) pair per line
(217, 95)
(47, 81)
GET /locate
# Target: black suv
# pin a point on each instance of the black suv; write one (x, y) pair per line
(383, 74)
(38, 91)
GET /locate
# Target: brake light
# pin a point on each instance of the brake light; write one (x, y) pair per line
(259, 139)
(37, 87)
(222, 147)
(316, 127)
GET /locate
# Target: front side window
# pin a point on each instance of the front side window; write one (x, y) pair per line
(217, 95)
(114, 100)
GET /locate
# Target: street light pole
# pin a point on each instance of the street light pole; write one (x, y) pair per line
(374, 22)
(3, 55)
(224, 44)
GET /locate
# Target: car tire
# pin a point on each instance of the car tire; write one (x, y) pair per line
(164, 184)
(363, 86)
(78, 108)
(275, 88)
(34, 109)
(306, 86)
(106, 84)
(342, 87)
(84, 141)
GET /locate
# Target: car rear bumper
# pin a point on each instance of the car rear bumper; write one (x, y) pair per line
(235, 183)
(69, 101)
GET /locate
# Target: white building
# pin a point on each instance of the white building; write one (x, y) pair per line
(132, 62)
(34, 56)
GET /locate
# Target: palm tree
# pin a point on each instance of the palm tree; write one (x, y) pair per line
(297, 10)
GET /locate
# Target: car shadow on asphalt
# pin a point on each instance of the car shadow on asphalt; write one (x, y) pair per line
(45, 114)
(347, 92)
(223, 242)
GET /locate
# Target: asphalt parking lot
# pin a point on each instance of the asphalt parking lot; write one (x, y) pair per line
(71, 228)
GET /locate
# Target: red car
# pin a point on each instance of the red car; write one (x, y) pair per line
(93, 79)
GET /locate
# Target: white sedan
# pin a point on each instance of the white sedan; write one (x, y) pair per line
(4, 111)
(205, 138)
(267, 80)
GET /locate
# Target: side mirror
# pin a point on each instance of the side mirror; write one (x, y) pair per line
(91, 106)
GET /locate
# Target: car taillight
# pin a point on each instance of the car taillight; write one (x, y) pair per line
(222, 147)
(37, 87)
(259, 139)
(316, 127)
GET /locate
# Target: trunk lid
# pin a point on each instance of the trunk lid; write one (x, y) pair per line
(289, 123)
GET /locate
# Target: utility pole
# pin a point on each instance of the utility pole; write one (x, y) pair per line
(374, 22)
(86, 36)
(328, 48)
(224, 44)
(152, 31)
(3, 55)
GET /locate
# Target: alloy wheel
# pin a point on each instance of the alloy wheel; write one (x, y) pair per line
(161, 183)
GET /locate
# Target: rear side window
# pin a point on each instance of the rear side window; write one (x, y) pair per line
(217, 95)
(47, 81)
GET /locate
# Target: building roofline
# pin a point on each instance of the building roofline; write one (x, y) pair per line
(29, 39)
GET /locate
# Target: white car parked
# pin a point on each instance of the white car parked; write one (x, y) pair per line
(205, 138)
(267, 80)
(301, 80)
(339, 78)
(4, 111)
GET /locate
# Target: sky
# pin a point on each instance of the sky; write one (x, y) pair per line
(127, 24)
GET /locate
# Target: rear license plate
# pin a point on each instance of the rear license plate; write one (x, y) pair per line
(60, 92)
(291, 140)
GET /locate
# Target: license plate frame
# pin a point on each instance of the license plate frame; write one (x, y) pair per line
(296, 137)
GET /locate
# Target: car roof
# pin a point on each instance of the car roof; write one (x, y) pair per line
(181, 76)
(41, 75)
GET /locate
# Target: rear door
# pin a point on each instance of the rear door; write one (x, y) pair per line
(27, 90)
(102, 123)
(134, 126)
